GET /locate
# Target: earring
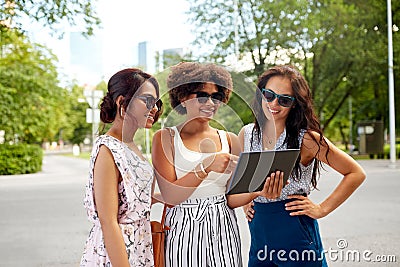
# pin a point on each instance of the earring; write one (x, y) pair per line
(120, 112)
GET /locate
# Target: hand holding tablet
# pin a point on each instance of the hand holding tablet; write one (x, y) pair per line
(272, 187)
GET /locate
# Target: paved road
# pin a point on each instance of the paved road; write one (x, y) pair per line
(42, 221)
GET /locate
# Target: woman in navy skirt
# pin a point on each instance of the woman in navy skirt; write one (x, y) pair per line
(284, 231)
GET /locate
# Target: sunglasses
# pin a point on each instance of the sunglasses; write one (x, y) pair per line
(216, 98)
(283, 100)
(151, 101)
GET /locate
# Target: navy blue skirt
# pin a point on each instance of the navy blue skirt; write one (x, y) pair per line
(278, 239)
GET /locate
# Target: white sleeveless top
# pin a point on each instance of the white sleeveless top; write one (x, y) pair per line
(186, 160)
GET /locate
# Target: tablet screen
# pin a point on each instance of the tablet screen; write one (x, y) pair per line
(254, 167)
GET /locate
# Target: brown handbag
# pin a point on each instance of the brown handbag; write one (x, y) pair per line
(158, 237)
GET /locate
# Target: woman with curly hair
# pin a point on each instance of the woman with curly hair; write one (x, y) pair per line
(193, 163)
(288, 224)
(119, 188)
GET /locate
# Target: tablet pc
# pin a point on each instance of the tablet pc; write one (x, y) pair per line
(254, 167)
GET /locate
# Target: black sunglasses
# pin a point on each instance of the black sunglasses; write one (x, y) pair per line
(283, 100)
(151, 101)
(216, 98)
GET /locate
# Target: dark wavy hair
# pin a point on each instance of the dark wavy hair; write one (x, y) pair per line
(186, 78)
(124, 83)
(301, 115)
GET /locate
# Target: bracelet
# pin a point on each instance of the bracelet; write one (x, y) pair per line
(202, 169)
(197, 175)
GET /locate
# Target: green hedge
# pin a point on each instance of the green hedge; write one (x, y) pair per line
(20, 159)
(386, 150)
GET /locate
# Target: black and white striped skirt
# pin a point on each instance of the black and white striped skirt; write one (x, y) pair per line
(203, 232)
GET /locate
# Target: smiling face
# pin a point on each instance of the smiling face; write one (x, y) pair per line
(203, 105)
(143, 108)
(279, 85)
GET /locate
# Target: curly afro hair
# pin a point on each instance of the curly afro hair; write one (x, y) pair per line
(186, 78)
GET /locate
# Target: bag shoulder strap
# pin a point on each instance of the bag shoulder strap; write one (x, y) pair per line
(163, 216)
(172, 135)
(228, 137)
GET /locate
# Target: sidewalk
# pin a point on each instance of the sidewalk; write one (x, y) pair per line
(368, 222)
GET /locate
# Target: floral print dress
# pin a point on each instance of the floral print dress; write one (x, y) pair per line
(134, 193)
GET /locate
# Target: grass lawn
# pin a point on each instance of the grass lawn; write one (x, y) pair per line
(82, 155)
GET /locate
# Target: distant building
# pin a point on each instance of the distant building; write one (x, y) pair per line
(147, 57)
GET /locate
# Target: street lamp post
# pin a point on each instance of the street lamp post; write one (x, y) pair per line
(392, 121)
(93, 113)
(351, 146)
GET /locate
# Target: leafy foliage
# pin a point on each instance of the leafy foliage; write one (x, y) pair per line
(74, 127)
(20, 159)
(31, 102)
(340, 46)
(50, 13)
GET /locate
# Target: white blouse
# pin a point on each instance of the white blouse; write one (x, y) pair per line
(186, 160)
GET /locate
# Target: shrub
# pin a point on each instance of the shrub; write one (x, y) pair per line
(20, 159)
(386, 150)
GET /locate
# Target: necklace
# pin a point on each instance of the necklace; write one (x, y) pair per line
(269, 145)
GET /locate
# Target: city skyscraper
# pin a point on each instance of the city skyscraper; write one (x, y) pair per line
(147, 57)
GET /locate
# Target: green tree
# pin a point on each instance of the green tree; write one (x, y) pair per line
(74, 127)
(352, 61)
(31, 102)
(340, 46)
(50, 13)
(263, 28)
(33, 106)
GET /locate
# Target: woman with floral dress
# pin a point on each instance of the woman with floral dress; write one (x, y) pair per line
(119, 189)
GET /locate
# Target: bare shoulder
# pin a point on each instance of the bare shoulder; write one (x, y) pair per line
(241, 132)
(310, 146)
(162, 144)
(233, 139)
(160, 134)
(234, 143)
(311, 138)
(160, 131)
(105, 164)
(104, 154)
(310, 133)
(232, 136)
